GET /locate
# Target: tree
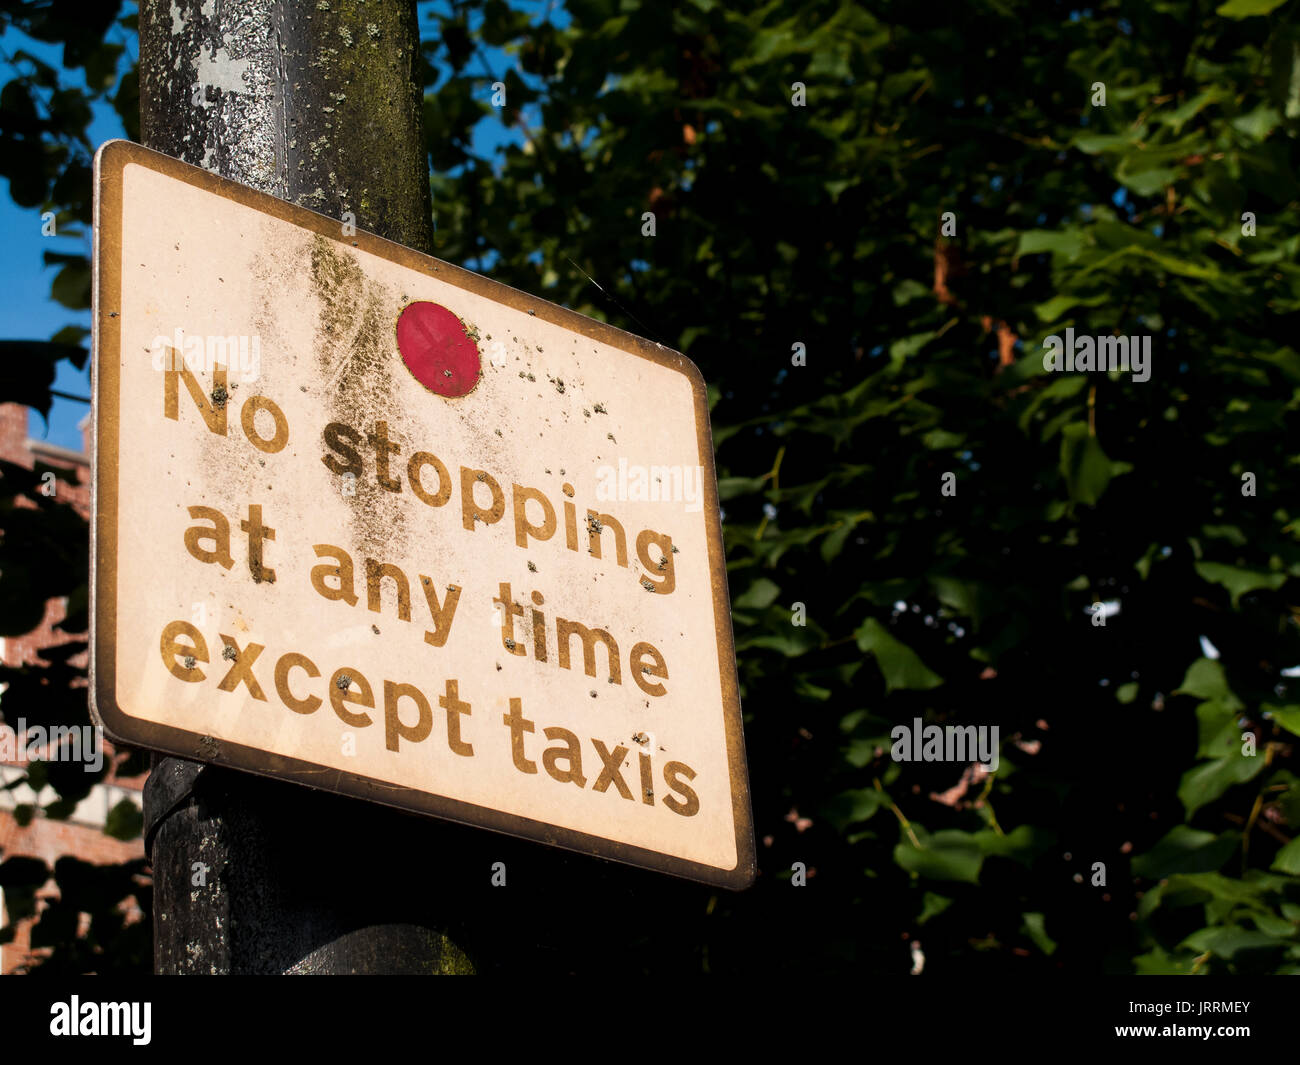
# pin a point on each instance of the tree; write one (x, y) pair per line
(865, 228)
(817, 222)
(45, 153)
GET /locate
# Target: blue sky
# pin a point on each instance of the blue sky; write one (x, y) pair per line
(27, 312)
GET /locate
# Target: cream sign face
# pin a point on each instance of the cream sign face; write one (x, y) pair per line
(372, 523)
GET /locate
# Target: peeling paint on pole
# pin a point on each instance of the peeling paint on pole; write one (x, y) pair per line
(316, 103)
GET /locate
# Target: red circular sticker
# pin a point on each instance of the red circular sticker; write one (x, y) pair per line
(437, 350)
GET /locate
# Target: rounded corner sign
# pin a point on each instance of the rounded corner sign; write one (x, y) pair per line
(375, 524)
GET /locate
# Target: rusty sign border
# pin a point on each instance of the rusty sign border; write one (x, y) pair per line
(110, 163)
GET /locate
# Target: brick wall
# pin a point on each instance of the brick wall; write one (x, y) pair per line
(81, 836)
(13, 433)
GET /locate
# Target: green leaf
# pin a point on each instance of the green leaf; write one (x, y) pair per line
(1205, 679)
(1259, 123)
(835, 188)
(909, 290)
(1286, 716)
(901, 350)
(124, 821)
(791, 641)
(1052, 309)
(1288, 858)
(850, 807)
(69, 339)
(1060, 389)
(1149, 182)
(1178, 266)
(101, 67)
(1286, 360)
(1240, 9)
(758, 596)
(1197, 887)
(1021, 844)
(942, 440)
(833, 544)
(1066, 243)
(1095, 143)
(1238, 580)
(731, 487)
(861, 752)
(1157, 962)
(964, 597)
(932, 905)
(1204, 783)
(71, 285)
(1182, 115)
(1034, 925)
(946, 855)
(1084, 465)
(899, 664)
(1272, 925)
(1217, 730)
(1185, 850)
(1227, 942)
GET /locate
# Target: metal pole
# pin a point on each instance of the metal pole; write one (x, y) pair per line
(318, 104)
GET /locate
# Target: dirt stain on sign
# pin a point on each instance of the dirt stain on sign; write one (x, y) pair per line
(353, 342)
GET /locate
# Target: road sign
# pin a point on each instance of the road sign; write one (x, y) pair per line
(376, 524)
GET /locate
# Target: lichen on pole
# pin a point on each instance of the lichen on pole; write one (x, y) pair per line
(317, 103)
